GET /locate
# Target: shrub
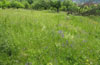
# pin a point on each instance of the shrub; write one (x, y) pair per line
(41, 5)
(73, 9)
(17, 4)
(68, 3)
(63, 8)
(97, 11)
(53, 9)
(6, 4)
(35, 6)
(26, 4)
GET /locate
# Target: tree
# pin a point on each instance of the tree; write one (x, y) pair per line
(30, 1)
(16, 4)
(26, 4)
(57, 5)
(5, 4)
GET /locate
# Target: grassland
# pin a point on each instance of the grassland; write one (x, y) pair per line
(30, 37)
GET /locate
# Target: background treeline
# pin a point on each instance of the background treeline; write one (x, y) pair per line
(56, 6)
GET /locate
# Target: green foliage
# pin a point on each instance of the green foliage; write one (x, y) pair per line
(35, 6)
(41, 5)
(98, 11)
(68, 3)
(84, 9)
(65, 5)
(16, 4)
(91, 10)
(30, 37)
(7, 47)
(6, 4)
(30, 1)
(63, 8)
(53, 9)
(57, 5)
(0, 4)
(73, 9)
(26, 5)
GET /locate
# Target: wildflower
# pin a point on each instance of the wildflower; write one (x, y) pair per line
(62, 35)
(65, 44)
(60, 32)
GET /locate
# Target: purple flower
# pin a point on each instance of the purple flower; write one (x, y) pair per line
(60, 32)
(62, 35)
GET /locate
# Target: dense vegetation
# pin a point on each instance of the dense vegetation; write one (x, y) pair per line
(54, 5)
(29, 37)
(49, 32)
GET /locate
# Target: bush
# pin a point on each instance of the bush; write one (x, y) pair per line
(68, 3)
(17, 4)
(73, 9)
(27, 5)
(41, 5)
(89, 10)
(35, 6)
(97, 11)
(63, 8)
(6, 4)
(53, 9)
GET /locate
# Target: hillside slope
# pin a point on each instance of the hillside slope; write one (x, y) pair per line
(43, 38)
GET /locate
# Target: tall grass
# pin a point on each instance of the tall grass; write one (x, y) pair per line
(30, 37)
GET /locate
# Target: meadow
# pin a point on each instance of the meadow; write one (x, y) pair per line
(29, 37)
